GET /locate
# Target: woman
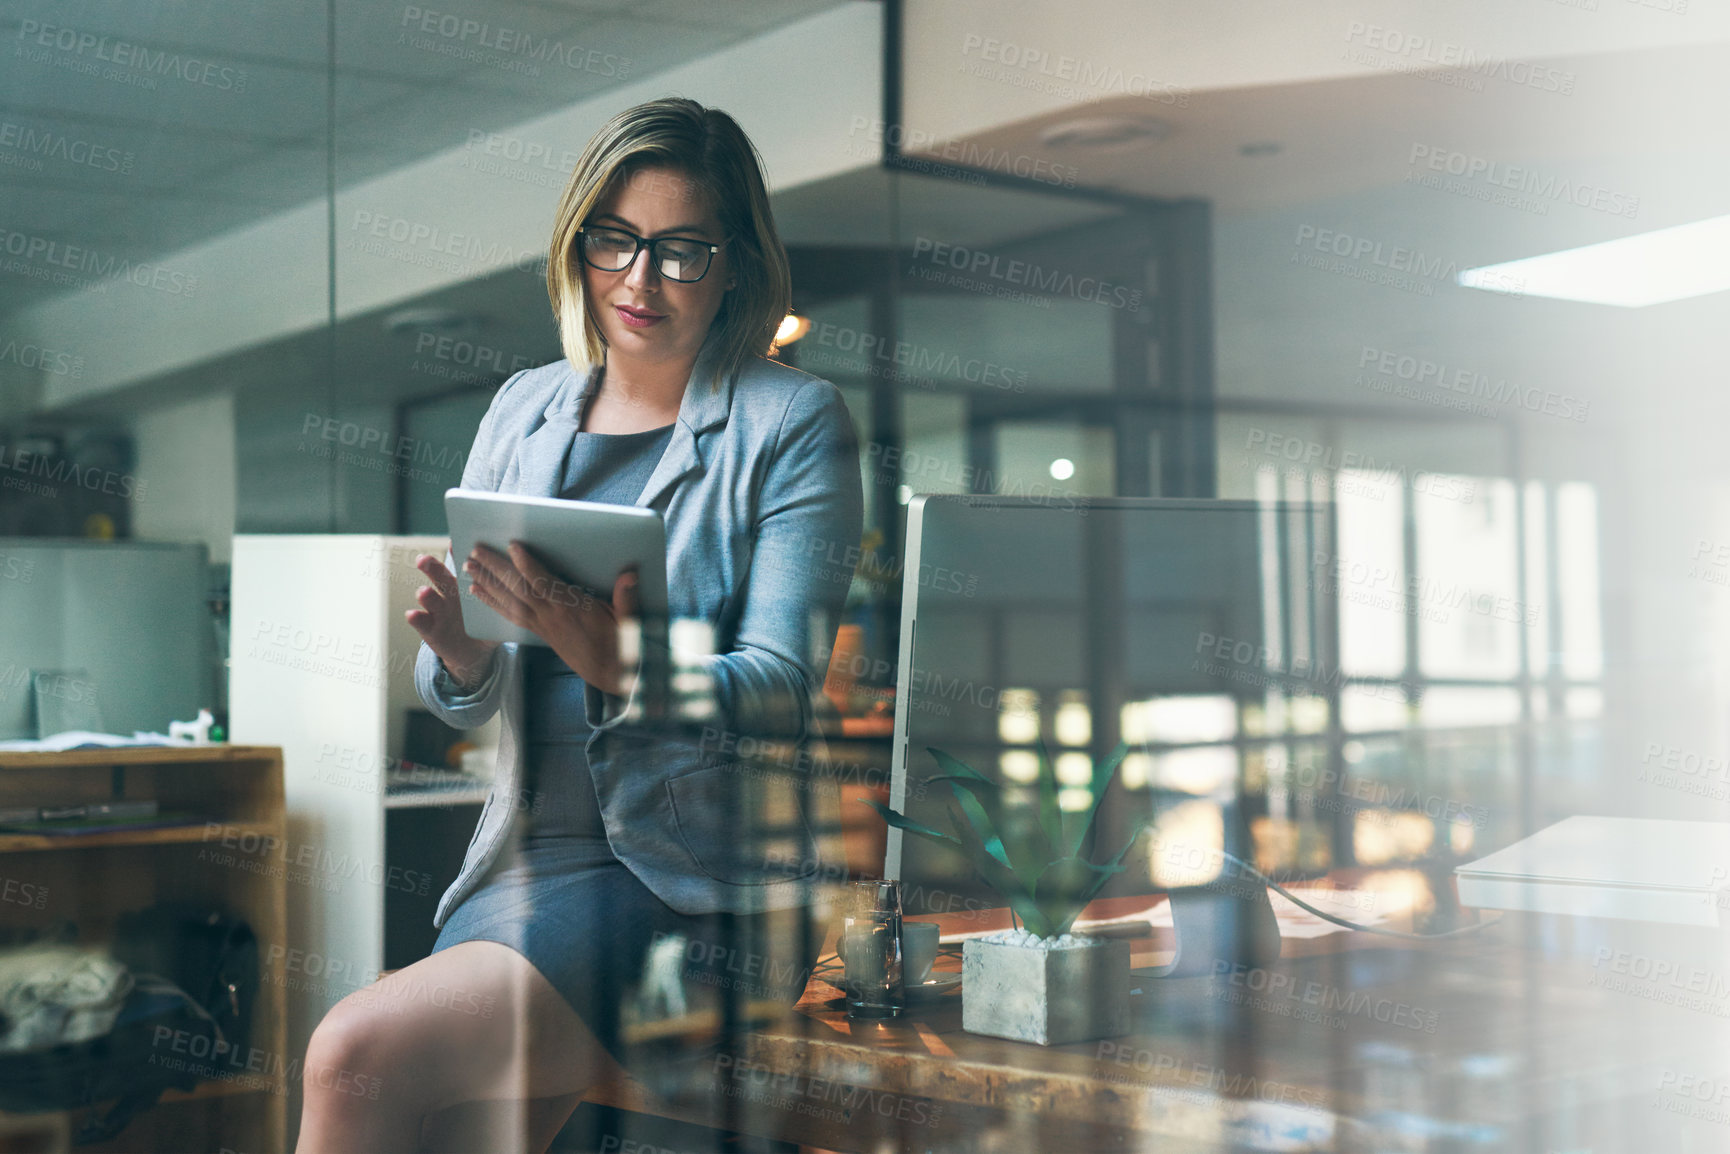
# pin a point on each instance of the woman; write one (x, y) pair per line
(615, 843)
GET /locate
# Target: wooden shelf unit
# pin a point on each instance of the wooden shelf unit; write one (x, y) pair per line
(223, 861)
(167, 835)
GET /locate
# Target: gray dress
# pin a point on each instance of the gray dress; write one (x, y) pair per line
(560, 897)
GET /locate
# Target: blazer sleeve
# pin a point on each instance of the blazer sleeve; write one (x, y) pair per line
(810, 509)
(438, 691)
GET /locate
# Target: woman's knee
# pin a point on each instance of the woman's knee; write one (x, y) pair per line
(356, 1047)
(401, 1039)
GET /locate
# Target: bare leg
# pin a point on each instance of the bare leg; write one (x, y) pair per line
(475, 1021)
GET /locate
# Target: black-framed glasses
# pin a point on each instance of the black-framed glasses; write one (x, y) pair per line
(674, 257)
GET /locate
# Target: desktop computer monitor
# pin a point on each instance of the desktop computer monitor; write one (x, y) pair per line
(1187, 628)
(120, 630)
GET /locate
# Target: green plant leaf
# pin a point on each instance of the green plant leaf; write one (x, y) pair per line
(902, 822)
(1050, 813)
(1115, 865)
(953, 765)
(999, 876)
(985, 805)
(1103, 772)
(984, 809)
(1025, 853)
(995, 873)
(1067, 886)
(1009, 835)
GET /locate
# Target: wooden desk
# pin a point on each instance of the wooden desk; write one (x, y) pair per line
(1523, 1038)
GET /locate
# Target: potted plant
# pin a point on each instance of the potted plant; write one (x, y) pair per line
(1038, 982)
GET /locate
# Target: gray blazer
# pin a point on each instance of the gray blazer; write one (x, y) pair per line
(759, 491)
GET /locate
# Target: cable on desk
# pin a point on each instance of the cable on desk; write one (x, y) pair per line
(1350, 925)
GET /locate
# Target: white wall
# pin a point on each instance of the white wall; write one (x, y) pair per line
(186, 461)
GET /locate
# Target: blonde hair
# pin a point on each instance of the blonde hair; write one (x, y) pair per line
(721, 164)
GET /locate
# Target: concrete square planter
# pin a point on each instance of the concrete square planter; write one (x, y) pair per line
(1073, 989)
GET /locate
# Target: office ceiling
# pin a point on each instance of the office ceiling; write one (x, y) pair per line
(1639, 123)
(1334, 150)
(137, 129)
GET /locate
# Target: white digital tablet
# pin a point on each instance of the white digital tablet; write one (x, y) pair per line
(583, 542)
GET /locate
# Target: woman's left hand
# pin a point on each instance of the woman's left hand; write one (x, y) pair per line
(581, 628)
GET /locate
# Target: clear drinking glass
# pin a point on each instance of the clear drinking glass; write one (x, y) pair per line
(870, 949)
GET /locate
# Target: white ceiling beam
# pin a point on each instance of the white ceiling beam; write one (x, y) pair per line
(975, 65)
(468, 212)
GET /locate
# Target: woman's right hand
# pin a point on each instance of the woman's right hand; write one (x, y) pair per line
(439, 621)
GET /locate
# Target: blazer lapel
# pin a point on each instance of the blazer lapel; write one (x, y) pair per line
(538, 467)
(540, 458)
(704, 405)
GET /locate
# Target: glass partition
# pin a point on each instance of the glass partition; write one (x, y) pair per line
(264, 267)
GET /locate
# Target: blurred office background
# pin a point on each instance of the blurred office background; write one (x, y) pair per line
(270, 262)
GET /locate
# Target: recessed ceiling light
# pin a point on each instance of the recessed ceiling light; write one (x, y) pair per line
(428, 320)
(1260, 148)
(1104, 132)
(1651, 268)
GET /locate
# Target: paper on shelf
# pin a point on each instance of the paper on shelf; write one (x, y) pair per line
(85, 739)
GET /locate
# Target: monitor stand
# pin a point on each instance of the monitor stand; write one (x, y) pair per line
(1219, 927)
(1226, 924)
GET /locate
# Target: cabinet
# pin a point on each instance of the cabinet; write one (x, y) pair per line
(228, 860)
(321, 663)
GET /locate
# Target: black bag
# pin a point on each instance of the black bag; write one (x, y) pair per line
(205, 952)
(164, 1037)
